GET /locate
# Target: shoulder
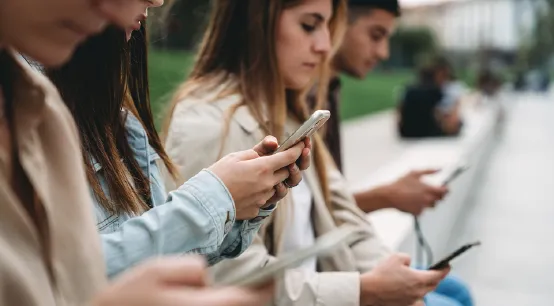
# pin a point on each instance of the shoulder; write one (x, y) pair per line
(210, 116)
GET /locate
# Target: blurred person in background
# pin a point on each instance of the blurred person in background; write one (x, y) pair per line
(49, 249)
(105, 86)
(431, 106)
(488, 83)
(244, 86)
(366, 43)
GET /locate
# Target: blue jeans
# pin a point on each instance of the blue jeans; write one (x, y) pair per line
(452, 291)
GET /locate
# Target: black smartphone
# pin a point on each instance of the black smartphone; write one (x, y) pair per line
(454, 174)
(446, 261)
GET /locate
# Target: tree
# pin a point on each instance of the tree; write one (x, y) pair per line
(180, 25)
(408, 45)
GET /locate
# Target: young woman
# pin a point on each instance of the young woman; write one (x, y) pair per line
(105, 86)
(256, 61)
(49, 254)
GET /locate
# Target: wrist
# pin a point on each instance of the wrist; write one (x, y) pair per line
(386, 195)
(375, 199)
(368, 290)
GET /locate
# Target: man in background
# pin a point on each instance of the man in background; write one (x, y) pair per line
(366, 43)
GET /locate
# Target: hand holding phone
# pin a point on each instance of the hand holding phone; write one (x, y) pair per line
(312, 125)
(446, 261)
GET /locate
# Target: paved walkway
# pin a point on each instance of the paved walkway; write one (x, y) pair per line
(513, 213)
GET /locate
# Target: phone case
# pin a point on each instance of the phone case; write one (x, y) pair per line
(312, 125)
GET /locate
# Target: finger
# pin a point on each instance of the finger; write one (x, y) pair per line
(178, 271)
(266, 196)
(429, 201)
(438, 192)
(283, 159)
(403, 258)
(431, 278)
(280, 176)
(308, 143)
(295, 176)
(420, 173)
(305, 159)
(267, 146)
(280, 192)
(246, 155)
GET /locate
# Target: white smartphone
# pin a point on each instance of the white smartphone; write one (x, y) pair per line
(345, 235)
(455, 173)
(312, 125)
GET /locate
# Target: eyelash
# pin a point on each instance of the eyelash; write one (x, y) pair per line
(308, 28)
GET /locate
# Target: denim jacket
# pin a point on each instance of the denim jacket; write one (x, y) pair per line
(198, 217)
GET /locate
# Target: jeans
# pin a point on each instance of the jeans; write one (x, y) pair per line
(452, 291)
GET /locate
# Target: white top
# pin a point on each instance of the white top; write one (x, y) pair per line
(299, 232)
(452, 92)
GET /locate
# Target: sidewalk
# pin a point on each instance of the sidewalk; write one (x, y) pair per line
(513, 213)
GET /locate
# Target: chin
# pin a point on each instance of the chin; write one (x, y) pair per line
(298, 83)
(52, 59)
(47, 53)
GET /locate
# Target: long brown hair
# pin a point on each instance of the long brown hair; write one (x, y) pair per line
(105, 75)
(238, 48)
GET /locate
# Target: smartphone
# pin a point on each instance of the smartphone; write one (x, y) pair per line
(461, 168)
(312, 125)
(446, 261)
(346, 235)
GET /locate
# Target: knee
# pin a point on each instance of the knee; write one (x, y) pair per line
(455, 288)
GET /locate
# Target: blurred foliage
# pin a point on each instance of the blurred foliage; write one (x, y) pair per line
(538, 50)
(409, 46)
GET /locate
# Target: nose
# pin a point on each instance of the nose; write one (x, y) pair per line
(322, 42)
(119, 12)
(383, 51)
(155, 3)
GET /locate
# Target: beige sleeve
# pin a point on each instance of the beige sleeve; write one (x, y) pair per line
(369, 252)
(298, 287)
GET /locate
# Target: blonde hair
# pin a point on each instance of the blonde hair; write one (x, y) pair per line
(238, 50)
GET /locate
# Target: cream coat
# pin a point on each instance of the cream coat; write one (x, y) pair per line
(194, 142)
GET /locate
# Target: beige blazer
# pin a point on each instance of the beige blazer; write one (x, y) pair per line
(57, 260)
(194, 142)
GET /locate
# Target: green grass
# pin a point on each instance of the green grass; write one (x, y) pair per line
(167, 70)
(377, 92)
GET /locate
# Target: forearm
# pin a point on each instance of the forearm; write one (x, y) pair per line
(196, 219)
(373, 199)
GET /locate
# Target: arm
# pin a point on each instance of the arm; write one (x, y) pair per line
(374, 199)
(194, 142)
(197, 218)
(408, 194)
